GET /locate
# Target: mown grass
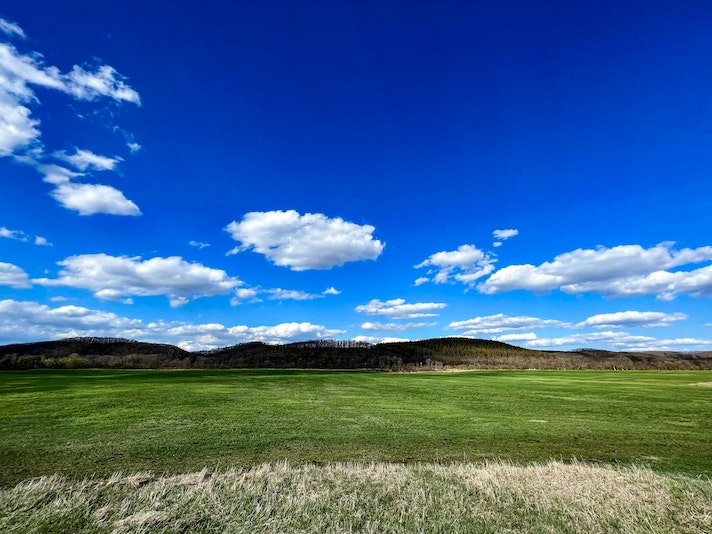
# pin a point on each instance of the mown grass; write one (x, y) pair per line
(375, 498)
(80, 423)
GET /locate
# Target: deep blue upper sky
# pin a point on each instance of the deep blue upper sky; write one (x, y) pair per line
(208, 173)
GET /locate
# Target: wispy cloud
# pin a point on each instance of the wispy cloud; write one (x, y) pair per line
(465, 265)
(20, 74)
(505, 234)
(502, 235)
(494, 324)
(84, 160)
(302, 242)
(254, 294)
(393, 327)
(375, 340)
(11, 29)
(19, 235)
(631, 319)
(400, 309)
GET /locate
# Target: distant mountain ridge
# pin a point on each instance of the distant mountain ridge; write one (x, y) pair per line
(429, 354)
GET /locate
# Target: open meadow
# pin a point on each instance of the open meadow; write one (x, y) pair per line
(80, 424)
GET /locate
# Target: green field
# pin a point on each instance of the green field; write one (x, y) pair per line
(80, 423)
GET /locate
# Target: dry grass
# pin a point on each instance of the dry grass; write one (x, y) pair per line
(376, 497)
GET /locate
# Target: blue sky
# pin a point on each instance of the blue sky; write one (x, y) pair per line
(209, 173)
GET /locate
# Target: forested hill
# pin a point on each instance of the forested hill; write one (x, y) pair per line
(430, 354)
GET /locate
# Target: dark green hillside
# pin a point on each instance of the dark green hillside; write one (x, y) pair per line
(429, 354)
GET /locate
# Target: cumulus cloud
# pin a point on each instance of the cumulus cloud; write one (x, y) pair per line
(90, 199)
(625, 270)
(632, 319)
(214, 335)
(13, 276)
(116, 277)
(22, 321)
(494, 324)
(393, 327)
(616, 340)
(465, 265)
(400, 309)
(302, 242)
(20, 75)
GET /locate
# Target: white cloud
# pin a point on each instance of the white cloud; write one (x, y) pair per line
(632, 319)
(373, 340)
(90, 199)
(393, 327)
(507, 338)
(505, 234)
(22, 321)
(292, 294)
(86, 160)
(244, 293)
(11, 275)
(620, 341)
(10, 28)
(133, 147)
(252, 294)
(399, 309)
(301, 242)
(625, 270)
(331, 291)
(104, 81)
(465, 265)
(17, 235)
(113, 278)
(210, 336)
(494, 324)
(56, 175)
(198, 244)
(20, 74)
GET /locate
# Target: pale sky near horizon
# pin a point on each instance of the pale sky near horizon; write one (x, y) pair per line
(209, 173)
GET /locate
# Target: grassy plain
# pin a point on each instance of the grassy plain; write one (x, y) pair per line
(83, 423)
